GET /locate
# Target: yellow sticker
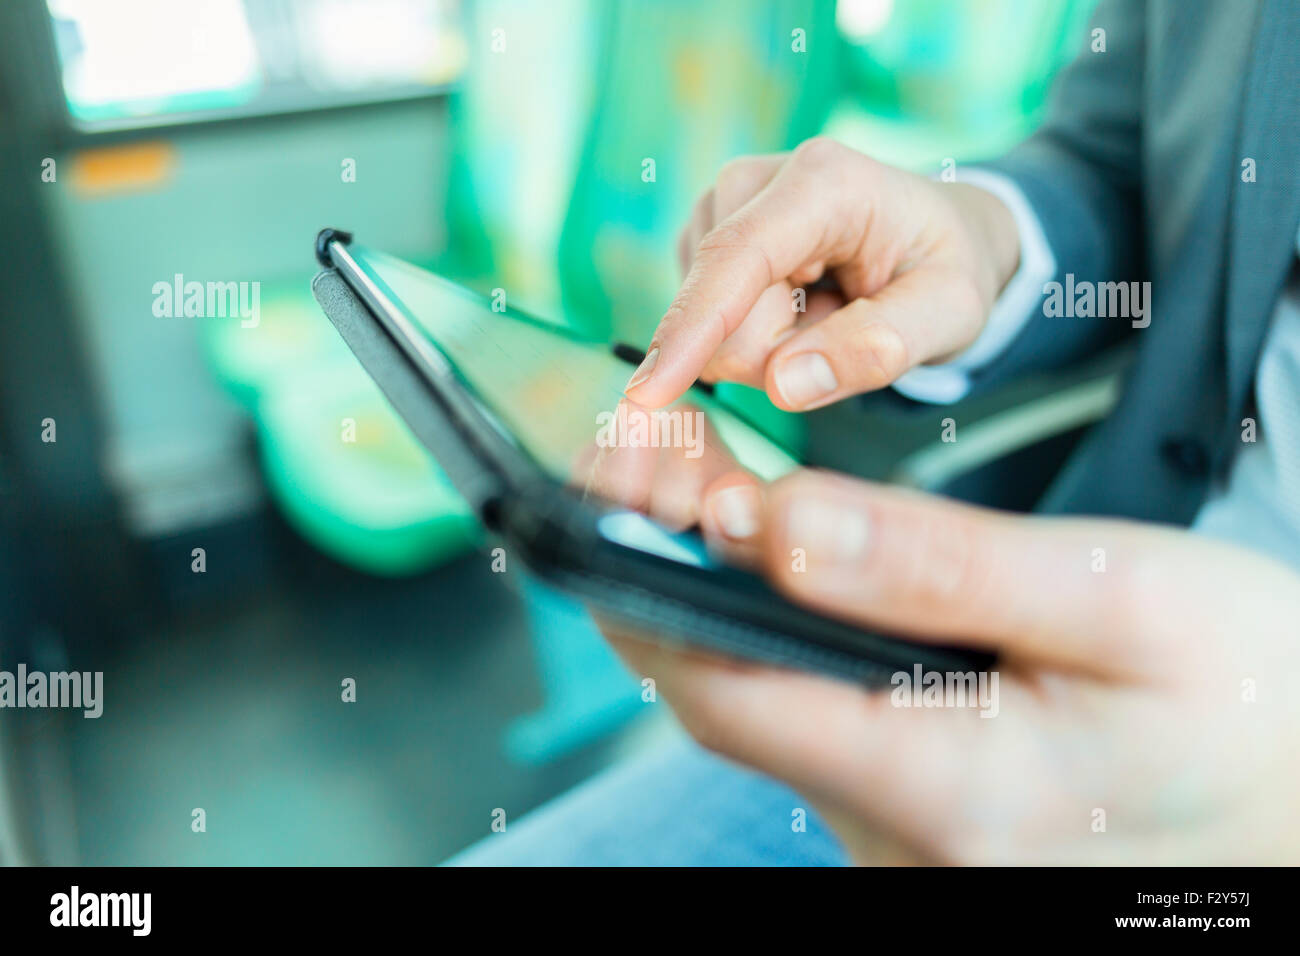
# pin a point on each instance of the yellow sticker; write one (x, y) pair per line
(105, 170)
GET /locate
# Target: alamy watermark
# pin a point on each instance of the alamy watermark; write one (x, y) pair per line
(922, 688)
(208, 300)
(1100, 300)
(71, 689)
(659, 428)
(74, 908)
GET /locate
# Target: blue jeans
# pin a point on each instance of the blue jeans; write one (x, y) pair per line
(678, 806)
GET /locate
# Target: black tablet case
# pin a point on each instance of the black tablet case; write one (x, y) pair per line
(402, 384)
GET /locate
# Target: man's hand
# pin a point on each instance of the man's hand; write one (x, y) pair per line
(916, 266)
(1147, 707)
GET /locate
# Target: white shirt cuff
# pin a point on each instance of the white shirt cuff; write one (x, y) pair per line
(1018, 303)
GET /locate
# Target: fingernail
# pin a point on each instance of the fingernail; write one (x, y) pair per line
(827, 533)
(805, 378)
(736, 511)
(645, 368)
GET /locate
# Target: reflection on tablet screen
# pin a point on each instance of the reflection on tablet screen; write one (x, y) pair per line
(550, 390)
(633, 530)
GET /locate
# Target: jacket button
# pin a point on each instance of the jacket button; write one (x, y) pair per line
(1187, 456)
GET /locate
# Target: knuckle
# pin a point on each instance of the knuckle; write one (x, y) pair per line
(734, 244)
(877, 345)
(731, 235)
(948, 566)
(736, 172)
(738, 181)
(818, 151)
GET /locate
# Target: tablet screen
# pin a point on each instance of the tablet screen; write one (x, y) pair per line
(558, 395)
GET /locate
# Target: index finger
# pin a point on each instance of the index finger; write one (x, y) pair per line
(786, 225)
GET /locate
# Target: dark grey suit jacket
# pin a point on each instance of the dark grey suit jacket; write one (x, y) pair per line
(1137, 175)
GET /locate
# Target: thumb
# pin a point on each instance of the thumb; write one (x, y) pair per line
(1029, 588)
(921, 316)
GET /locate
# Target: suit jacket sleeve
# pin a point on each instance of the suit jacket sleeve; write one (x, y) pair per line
(1082, 174)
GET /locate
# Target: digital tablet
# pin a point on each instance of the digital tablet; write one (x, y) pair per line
(508, 403)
